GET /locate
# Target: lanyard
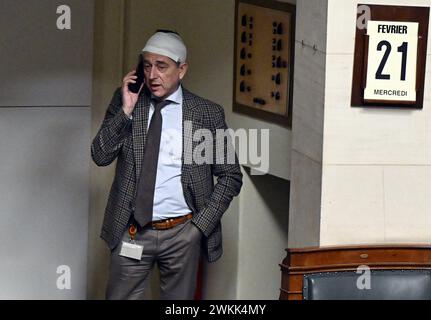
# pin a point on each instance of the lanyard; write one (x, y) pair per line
(132, 231)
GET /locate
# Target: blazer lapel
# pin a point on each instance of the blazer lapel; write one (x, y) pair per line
(139, 131)
(191, 118)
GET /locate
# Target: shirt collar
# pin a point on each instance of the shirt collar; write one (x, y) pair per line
(175, 97)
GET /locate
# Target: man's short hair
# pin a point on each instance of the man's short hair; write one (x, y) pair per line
(167, 31)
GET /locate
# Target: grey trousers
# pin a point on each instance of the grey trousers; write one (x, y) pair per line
(176, 252)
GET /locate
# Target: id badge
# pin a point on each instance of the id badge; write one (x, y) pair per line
(131, 250)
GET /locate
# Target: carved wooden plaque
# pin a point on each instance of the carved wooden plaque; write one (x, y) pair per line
(264, 51)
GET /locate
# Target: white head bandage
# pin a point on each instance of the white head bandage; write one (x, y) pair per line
(167, 44)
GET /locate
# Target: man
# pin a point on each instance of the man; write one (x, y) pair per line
(163, 206)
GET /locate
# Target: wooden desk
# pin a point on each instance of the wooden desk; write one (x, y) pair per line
(302, 261)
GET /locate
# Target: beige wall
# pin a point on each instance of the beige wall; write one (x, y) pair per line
(107, 75)
(376, 182)
(262, 233)
(207, 27)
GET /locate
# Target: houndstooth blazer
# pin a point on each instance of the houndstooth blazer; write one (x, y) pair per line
(124, 139)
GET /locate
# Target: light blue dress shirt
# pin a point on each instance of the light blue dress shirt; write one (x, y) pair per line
(169, 199)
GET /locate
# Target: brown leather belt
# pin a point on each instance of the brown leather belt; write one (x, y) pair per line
(170, 223)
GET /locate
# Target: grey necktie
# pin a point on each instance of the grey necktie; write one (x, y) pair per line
(147, 181)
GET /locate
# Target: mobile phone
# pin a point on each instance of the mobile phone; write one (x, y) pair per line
(134, 87)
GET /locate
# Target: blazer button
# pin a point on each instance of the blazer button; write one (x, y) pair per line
(131, 206)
